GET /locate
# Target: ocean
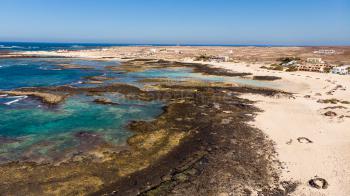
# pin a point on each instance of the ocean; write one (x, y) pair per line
(34, 46)
(37, 46)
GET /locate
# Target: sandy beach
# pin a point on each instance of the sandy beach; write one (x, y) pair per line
(285, 120)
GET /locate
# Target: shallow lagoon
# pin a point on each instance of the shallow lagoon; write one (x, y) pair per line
(30, 129)
(31, 126)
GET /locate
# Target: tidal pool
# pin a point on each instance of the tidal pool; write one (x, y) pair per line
(32, 132)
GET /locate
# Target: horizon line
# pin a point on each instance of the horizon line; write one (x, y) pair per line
(180, 44)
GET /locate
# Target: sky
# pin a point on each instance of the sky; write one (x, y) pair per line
(247, 22)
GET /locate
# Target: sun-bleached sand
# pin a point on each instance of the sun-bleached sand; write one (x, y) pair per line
(285, 120)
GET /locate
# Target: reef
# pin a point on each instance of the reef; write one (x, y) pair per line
(71, 66)
(105, 101)
(45, 97)
(96, 79)
(56, 95)
(154, 80)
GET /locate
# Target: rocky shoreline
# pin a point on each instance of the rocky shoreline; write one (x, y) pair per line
(200, 145)
(199, 124)
(220, 155)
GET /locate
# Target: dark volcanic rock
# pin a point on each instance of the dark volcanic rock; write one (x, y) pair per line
(207, 162)
(105, 101)
(88, 140)
(335, 107)
(318, 183)
(304, 140)
(84, 134)
(6, 140)
(268, 78)
(330, 114)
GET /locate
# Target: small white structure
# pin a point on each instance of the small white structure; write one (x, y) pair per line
(343, 70)
(219, 59)
(226, 58)
(314, 60)
(62, 51)
(178, 52)
(153, 50)
(327, 52)
(290, 63)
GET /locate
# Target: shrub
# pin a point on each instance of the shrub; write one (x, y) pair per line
(268, 78)
(328, 101)
(278, 68)
(345, 102)
(284, 60)
(273, 67)
(327, 69)
(292, 68)
(203, 58)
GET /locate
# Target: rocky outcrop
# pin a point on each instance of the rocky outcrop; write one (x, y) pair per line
(105, 101)
(48, 98)
(267, 78)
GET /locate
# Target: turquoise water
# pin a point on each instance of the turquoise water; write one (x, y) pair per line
(30, 130)
(58, 128)
(182, 74)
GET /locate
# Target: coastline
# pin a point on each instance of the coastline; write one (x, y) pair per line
(285, 120)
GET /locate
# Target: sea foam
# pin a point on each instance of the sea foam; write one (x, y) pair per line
(17, 99)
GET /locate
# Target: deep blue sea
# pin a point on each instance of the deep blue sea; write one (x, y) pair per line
(28, 46)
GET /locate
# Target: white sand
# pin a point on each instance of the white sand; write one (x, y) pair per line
(284, 120)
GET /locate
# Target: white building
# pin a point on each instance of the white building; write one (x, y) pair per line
(153, 50)
(226, 58)
(328, 52)
(314, 60)
(343, 70)
(219, 59)
(62, 51)
(290, 63)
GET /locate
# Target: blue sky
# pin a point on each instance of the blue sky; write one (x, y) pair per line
(290, 22)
